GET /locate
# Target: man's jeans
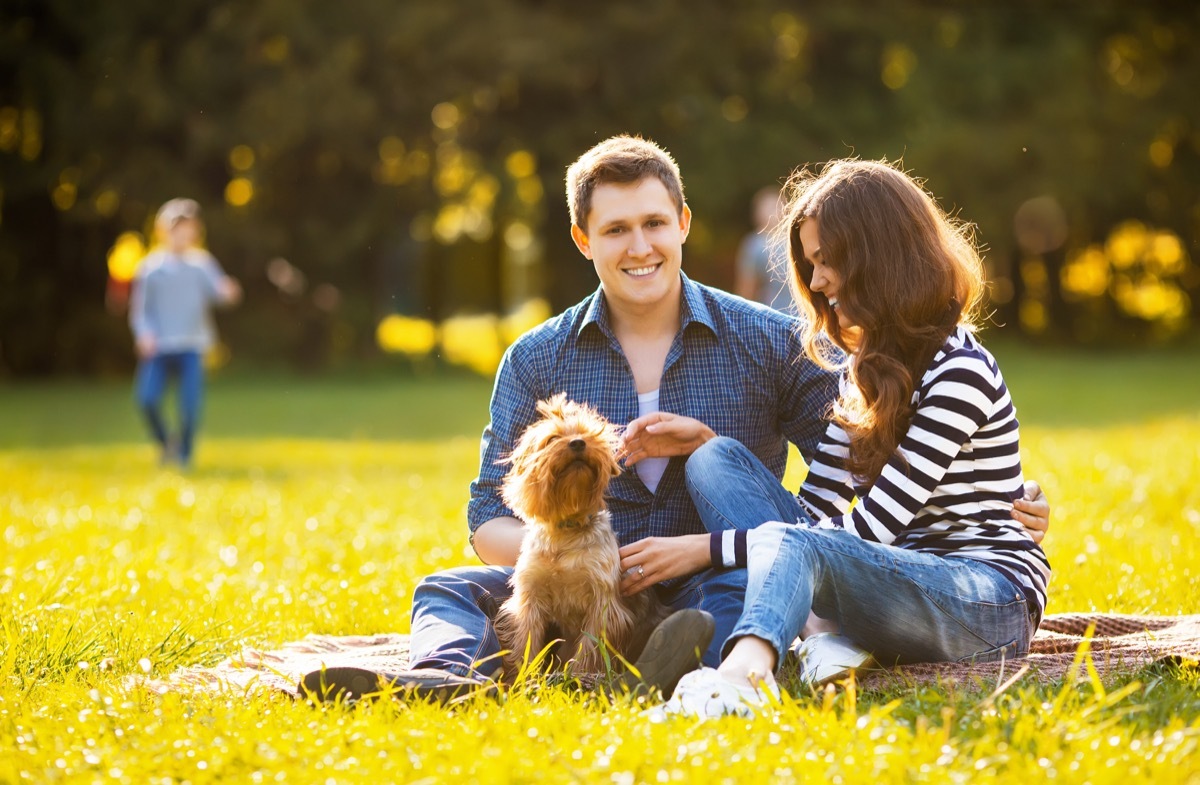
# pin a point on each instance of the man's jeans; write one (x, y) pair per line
(453, 612)
(901, 605)
(150, 385)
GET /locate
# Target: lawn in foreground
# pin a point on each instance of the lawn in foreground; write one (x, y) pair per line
(318, 504)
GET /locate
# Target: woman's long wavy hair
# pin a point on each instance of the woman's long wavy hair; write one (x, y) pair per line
(909, 273)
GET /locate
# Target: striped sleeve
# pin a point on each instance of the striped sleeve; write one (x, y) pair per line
(958, 397)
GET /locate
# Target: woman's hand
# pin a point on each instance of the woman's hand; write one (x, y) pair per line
(1033, 512)
(656, 559)
(662, 435)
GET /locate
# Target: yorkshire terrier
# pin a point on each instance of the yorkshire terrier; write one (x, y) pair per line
(567, 579)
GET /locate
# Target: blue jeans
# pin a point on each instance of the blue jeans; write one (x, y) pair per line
(454, 610)
(901, 605)
(150, 385)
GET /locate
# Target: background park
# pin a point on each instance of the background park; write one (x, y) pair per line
(385, 180)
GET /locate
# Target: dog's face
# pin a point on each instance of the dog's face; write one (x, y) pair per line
(562, 464)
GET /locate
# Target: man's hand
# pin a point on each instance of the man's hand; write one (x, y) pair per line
(662, 435)
(655, 559)
(1033, 512)
(146, 347)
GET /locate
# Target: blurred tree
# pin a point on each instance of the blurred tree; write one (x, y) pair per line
(409, 157)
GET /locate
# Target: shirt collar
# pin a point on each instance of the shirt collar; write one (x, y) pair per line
(695, 309)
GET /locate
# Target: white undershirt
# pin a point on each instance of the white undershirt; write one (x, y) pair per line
(650, 469)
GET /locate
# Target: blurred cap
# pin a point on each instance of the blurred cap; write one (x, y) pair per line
(177, 210)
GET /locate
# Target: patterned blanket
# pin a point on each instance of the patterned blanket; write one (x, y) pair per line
(1119, 645)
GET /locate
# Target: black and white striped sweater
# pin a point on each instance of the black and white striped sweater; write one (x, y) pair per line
(950, 487)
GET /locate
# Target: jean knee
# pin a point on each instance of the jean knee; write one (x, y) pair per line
(709, 460)
(456, 586)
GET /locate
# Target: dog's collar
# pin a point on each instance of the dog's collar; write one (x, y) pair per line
(576, 523)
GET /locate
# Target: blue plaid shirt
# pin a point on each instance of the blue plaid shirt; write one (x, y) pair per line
(736, 366)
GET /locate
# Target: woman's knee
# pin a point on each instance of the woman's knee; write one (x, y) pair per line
(711, 461)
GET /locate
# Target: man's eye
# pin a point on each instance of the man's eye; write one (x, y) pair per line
(614, 230)
(656, 224)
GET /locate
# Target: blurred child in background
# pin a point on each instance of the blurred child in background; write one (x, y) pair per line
(758, 277)
(173, 293)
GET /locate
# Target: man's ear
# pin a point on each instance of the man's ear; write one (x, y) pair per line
(581, 241)
(685, 221)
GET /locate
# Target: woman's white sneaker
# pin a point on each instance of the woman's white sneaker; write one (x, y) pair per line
(705, 693)
(827, 656)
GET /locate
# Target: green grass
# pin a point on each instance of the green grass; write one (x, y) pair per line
(317, 504)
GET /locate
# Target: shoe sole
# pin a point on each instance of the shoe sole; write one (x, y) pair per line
(349, 684)
(673, 649)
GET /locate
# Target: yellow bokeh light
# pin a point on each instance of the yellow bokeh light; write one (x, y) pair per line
(473, 342)
(734, 109)
(241, 157)
(1127, 244)
(520, 163)
(398, 334)
(125, 256)
(1168, 254)
(518, 236)
(64, 195)
(239, 192)
(529, 190)
(391, 149)
(276, 48)
(530, 314)
(445, 116)
(107, 202)
(1086, 274)
(898, 64)
(1033, 315)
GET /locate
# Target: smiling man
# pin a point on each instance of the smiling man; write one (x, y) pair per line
(648, 344)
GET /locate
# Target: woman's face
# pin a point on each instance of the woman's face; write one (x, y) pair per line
(826, 281)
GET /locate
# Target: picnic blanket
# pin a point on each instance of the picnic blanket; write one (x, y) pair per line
(1119, 645)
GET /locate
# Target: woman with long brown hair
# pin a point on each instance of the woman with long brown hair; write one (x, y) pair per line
(929, 565)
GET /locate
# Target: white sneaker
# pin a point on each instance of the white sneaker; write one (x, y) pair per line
(705, 693)
(827, 656)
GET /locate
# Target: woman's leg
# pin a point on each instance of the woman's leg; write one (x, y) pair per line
(732, 488)
(903, 606)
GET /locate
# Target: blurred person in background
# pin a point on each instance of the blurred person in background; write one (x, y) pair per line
(170, 313)
(757, 276)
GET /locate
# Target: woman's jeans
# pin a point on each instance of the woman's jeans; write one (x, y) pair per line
(901, 605)
(150, 386)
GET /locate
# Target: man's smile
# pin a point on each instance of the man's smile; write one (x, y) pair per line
(641, 272)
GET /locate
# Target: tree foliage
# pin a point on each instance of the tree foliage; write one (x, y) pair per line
(408, 157)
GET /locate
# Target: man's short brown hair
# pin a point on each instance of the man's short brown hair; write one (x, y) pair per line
(619, 159)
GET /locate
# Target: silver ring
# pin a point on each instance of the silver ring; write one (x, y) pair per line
(641, 572)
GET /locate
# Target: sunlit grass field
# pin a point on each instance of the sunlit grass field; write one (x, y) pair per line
(317, 504)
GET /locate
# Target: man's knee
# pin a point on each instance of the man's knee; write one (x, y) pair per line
(470, 585)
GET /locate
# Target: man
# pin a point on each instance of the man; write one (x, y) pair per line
(648, 340)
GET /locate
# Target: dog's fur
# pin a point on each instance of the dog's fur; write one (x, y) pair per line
(568, 575)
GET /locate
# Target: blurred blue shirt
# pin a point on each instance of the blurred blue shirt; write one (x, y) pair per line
(172, 296)
(735, 365)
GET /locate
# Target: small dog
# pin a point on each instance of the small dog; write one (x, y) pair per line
(568, 575)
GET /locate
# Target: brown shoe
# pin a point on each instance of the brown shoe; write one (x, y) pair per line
(673, 649)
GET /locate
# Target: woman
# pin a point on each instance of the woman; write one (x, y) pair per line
(929, 565)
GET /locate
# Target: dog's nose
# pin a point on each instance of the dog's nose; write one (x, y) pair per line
(577, 445)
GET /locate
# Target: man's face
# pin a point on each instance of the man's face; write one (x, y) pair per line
(635, 239)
